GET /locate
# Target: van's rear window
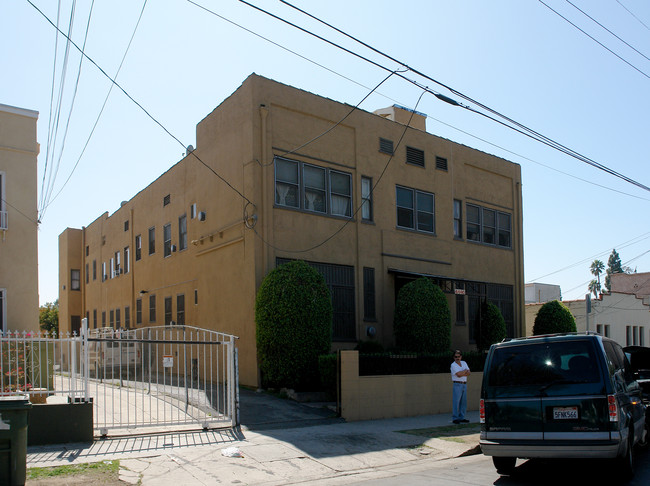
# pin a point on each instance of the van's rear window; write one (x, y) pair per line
(544, 363)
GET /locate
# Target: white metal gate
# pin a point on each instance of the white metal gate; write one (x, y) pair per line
(169, 376)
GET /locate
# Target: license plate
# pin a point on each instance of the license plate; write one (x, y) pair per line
(565, 413)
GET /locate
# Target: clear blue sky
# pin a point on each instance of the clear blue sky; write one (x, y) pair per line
(517, 57)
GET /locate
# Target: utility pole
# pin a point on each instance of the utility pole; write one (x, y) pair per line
(587, 309)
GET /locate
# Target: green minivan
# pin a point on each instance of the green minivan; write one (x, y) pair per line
(560, 396)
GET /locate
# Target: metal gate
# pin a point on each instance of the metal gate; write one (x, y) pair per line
(159, 377)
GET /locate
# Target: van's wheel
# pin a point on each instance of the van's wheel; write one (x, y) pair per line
(625, 463)
(504, 465)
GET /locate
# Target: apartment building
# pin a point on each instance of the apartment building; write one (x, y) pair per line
(371, 200)
(18, 219)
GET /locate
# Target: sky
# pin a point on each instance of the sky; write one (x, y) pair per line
(582, 81)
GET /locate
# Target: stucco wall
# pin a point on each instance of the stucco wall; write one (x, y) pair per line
(391, 396)
(19, 242)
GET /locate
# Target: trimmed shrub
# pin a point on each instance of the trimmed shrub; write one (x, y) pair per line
(554, 317)
(293, 317)
(422, 318)
(493, 326)
(327, 367)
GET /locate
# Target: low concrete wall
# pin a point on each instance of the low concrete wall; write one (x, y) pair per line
(390, 396)
(59, 423)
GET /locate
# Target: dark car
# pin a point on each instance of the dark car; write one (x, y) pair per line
(560, 396)
(639, 358)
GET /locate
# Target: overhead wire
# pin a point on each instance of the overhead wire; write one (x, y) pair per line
(142, 108)
(632, 14)
(595, 40)
(69, 117)
(516, 125)
(605, 28)
(101, 111)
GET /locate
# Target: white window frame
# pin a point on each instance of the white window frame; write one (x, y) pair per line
(127, 264)
(414, 210)
(167, 240)
(182, 232)
(479, 226)
(366, 198)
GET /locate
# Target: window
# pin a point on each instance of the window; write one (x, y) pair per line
(415, 209)
(87, 250)
(441, 163)
(127, 317)
(4, 223)
(366, 198)
(104, 274)
(369, 312)
(489, 226)
(628, 335)
(75, 279)
(94, 269)
(340, 281)
(607, 330)
(138, 247)
(118, 322)
(127, 254)
(95, 318)
(196, 296)
(126, 225)
(458, 219)
(635, 335)
(112, 267)
(460, 303)
(193, 211)
(152, 308)
(138, 311)
(87, 273)
(3, 307)
(118, 263)
(311, 188)
(180, 309)
(599, 329)
(386, 146)
(103, 318)
(166, 200)
(415, 156)
(641, 336)
(167, 240)
(182, 233)
(112, 318)
(152, 240)
(168, 311)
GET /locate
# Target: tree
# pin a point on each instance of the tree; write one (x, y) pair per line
(422, 321)
(554, 317)
(492, 328)
(596, 269)
(293, 317)
(48, 316)
(594, 287)
(614, 265)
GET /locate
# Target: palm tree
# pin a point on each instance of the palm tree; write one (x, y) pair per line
(594, 287)
(596, 269)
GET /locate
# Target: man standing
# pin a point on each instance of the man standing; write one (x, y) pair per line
(459, 373)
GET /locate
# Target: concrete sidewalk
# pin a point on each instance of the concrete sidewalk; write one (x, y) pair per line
(323, 454)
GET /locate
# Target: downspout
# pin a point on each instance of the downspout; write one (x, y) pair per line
(266, 206)
(519, 266)
(132, 269)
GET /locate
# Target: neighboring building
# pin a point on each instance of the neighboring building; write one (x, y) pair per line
(632, 283)
(538, 293)
(622, 316)
(307, 178)
(18, 219)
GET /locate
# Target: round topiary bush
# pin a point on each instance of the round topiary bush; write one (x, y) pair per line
(493, 326)
(554, 317)
(422, 318)
(293, 317)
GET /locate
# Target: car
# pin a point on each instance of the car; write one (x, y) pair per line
(564, 396)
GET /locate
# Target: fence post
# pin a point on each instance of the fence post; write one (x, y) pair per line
(86, 358)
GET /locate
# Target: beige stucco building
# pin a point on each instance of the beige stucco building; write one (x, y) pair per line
(18, 219)
(279, 174)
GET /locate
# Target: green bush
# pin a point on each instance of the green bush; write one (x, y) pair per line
(554, 317)
(493, 326)
(293, 317)
(422, 318)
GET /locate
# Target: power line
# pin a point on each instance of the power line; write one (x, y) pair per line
(516, 126)
(632, 14)
(594, 20)
(142, 108)
(595, 40)
(101, 111)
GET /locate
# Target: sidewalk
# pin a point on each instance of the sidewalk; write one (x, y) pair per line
(325, 454)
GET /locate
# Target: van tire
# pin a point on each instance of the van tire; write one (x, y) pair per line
(625, 463)
(504, 465)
